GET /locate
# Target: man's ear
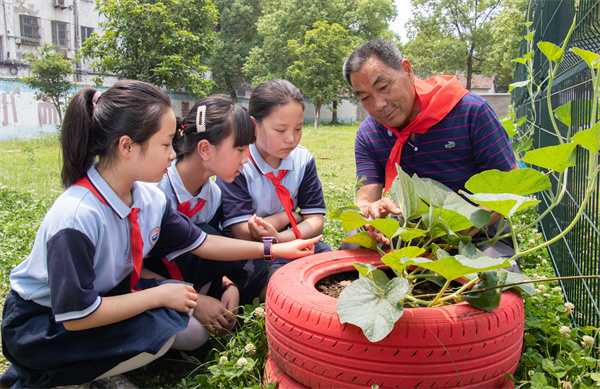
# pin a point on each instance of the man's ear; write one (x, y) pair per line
(406, 66)
(126, 146)
(203, 148)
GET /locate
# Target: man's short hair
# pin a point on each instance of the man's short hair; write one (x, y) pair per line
(385, 50)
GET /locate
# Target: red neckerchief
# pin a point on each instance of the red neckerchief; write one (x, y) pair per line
(438, 96)
(283, 194)
(137, 244)
(184, 208)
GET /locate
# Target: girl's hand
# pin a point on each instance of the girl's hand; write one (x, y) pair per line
(259, 227)
(178, 296)
(295, 248)
(214, 315)
(231, 300)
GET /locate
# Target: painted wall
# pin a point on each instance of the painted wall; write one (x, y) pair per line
(21, 115)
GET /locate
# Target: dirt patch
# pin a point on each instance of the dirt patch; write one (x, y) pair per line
(333, 285)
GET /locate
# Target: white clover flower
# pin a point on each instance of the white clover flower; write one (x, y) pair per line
(587, 341)
(542, 288)
(531, 241)
(557, 318)
(539, 257)
(564, 330)
(250, 349)
(223, 360)
(259, 312)
(242, 362)
(544, 262)
(531, 373)
(557, 289)
(569, 307)
(538, 236)
(535, 230)
(537, 291)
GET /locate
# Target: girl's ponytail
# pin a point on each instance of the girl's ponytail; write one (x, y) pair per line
(75, 137)
(94, 123)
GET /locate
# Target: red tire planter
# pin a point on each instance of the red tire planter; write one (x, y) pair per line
(274, 374)
(425, 349)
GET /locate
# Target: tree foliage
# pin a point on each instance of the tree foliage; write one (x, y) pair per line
(507, 32)
(456, 33)
(161, 42)
(50, 73)
(317, 68)
(285, 20)
(236, 36)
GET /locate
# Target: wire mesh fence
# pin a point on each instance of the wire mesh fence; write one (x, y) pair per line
(578, 253)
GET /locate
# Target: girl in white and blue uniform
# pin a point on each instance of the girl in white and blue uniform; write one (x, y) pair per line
(78, 310)
(279, 193)
(211, 140)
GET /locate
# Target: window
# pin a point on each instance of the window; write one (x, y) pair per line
(30, 29)
(86, 32)
(60, 34)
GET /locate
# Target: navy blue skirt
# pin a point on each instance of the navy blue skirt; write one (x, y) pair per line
(45, 354)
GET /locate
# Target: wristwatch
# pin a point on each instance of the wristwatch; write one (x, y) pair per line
(268, 241)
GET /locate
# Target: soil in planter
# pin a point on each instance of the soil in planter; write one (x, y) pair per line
(333, 284)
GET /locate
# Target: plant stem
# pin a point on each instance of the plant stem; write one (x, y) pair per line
(440, 294)
(530, 282)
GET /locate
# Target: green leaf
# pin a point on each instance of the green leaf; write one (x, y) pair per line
(563, 114)
(589, 139)
(409, 234)
(508, 125)
(396, 259)
(435, 193)
(538, 381)
(364, 268)
(506, 204)
(389, 227)
(521, 182)
(362, 239)
(352, 219)
(512, 278)
(520, 145)
(374, 310)
(489, 299)
(551, 51)
(518, 84)
(557, 158)
(404, 195)
(336, 214)
(454, 267)
(589, 57)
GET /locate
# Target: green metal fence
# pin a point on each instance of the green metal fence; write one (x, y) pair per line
(579, 252)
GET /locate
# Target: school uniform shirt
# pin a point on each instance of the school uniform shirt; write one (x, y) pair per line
(173, 187)
(253, 193)
(83, 249)
(468, 140)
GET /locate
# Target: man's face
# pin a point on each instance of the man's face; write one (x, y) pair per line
(387, 94)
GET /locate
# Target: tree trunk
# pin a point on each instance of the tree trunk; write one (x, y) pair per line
(469, 68)
(334, 120)
(317, 116)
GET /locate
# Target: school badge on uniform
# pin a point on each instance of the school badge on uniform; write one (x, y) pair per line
(154, 234)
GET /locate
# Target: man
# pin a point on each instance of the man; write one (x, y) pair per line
(433, 128)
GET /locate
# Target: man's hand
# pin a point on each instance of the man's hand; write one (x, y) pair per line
(380, 209)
